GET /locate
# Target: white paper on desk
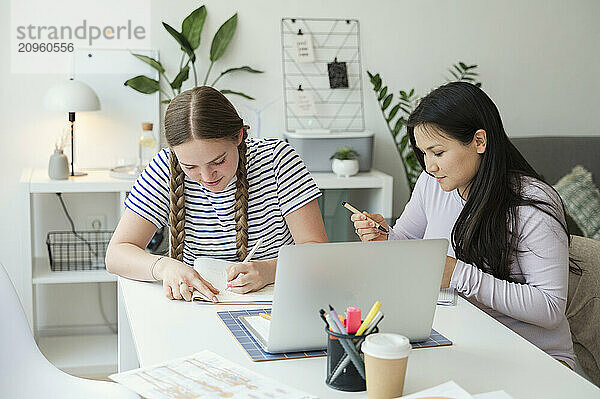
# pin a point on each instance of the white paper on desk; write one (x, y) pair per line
(493, 395)
(449, 389)
(204, 374)
(215, 272)
(447, 297)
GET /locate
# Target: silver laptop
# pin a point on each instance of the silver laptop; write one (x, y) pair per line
(403, 275)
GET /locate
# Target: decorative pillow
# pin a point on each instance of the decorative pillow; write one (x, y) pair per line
(582, 200)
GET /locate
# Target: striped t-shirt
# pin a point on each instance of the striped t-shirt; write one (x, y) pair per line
(279, 184)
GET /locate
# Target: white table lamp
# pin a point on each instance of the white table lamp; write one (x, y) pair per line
(72, 96)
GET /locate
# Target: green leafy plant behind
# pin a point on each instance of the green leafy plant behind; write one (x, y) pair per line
(397, 116)
(189, 40)
(345, 153)
(192, 25)
(463, 72)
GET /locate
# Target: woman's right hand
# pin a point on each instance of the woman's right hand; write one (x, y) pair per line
(178, 278)
(366, 229)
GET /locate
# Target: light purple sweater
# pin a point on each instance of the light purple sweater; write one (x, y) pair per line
(534, 307)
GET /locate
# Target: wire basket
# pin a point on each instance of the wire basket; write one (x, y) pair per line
(82, 250)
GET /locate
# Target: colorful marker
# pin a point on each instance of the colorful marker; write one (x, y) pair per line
(352, 319)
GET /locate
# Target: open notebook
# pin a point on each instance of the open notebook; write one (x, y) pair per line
(214, 271)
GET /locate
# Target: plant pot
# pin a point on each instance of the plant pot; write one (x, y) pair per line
(344, 167)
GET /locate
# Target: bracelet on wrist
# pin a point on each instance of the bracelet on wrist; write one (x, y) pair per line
(153, 265)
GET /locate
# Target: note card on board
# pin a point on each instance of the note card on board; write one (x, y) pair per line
(303, 47)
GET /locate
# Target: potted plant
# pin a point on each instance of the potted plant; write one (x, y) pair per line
(345, 162)
(188, 40)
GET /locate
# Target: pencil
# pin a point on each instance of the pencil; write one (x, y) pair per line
(357, 212)
(253, 250)
(372, 313)
(247, 259)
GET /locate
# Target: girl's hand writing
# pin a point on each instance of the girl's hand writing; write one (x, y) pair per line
(251, 276)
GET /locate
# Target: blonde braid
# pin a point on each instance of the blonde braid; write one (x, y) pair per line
(177, 208)
(241, 201)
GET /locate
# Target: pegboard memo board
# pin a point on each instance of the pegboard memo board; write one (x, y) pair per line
(333, 40)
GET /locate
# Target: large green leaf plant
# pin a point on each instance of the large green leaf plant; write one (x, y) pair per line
(397, 116)
(189, 40)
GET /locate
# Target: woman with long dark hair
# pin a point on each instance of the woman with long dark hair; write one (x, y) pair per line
(509, 252)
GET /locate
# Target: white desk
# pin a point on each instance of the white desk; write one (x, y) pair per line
(486, 356)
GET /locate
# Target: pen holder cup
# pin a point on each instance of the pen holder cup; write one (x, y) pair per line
(348, 379)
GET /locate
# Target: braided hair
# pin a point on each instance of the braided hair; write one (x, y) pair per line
(241, 202)
(204, 113)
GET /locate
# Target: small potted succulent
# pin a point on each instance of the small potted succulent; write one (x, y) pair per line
(345, 162)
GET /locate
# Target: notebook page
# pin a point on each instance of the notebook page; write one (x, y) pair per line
(214, 271)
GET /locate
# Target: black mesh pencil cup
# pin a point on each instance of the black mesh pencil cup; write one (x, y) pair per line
(341, 375)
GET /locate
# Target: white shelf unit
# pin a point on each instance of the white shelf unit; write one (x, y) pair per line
(43, 275)
(371, 190)
(90, 354)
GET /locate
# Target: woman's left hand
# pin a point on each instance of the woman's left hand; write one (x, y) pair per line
(250, 276)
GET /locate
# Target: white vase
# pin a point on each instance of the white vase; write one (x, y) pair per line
(58, 166)
(345, 167)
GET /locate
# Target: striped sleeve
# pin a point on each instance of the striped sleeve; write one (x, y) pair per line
(149, 196)
(295, 185)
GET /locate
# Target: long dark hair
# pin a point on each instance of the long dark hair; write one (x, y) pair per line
(486, 231)
(205, 113)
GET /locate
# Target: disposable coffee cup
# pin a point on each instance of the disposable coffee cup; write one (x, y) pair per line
(386, 356)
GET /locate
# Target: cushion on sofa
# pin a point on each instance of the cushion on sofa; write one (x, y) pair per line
(582, 200)
(583, 303)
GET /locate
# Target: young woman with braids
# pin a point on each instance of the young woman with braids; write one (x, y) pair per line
(220, 192)
(509, 253)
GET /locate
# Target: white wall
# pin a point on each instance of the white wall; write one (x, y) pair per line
(539, 61)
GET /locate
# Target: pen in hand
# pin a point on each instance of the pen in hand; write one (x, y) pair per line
(247, 259)
(356, 211)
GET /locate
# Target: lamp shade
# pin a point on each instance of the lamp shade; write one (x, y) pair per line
(71, 96)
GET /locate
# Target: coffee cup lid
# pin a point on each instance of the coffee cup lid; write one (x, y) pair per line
(386, 346)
